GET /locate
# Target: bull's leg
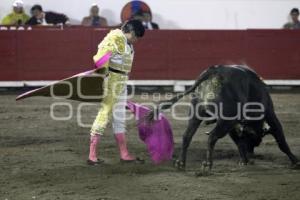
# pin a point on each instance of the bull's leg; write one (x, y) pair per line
(186, 140)
(242, 146)
(277, 131)
(221, 129)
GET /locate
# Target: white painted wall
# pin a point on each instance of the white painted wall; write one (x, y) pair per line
(180, 14)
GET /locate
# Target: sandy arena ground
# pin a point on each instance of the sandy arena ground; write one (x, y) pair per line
(41, 158)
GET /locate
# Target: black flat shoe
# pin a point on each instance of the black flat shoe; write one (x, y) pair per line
(136, 161)
(98, 162)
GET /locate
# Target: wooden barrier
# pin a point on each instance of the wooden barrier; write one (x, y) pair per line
(51, 54)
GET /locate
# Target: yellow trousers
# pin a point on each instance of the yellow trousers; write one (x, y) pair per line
(114, 86)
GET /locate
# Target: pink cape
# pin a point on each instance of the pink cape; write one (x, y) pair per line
(158, 136)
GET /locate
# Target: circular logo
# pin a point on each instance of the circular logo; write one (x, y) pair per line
(133, 7)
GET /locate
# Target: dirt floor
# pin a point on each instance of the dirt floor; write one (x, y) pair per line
(41, 158)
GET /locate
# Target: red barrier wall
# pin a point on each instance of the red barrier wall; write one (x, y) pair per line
(50, 54)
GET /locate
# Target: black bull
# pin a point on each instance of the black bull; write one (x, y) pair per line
(219, 95)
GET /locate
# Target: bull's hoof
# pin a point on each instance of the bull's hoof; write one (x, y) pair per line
(180, 165)
(206, 164)
(242, 163)
(205, 169)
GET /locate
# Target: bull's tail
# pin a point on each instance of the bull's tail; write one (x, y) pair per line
(163, 105)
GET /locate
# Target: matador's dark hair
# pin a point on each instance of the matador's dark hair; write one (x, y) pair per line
(134, 25)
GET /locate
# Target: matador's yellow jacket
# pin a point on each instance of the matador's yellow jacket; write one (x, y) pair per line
(121, 59)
